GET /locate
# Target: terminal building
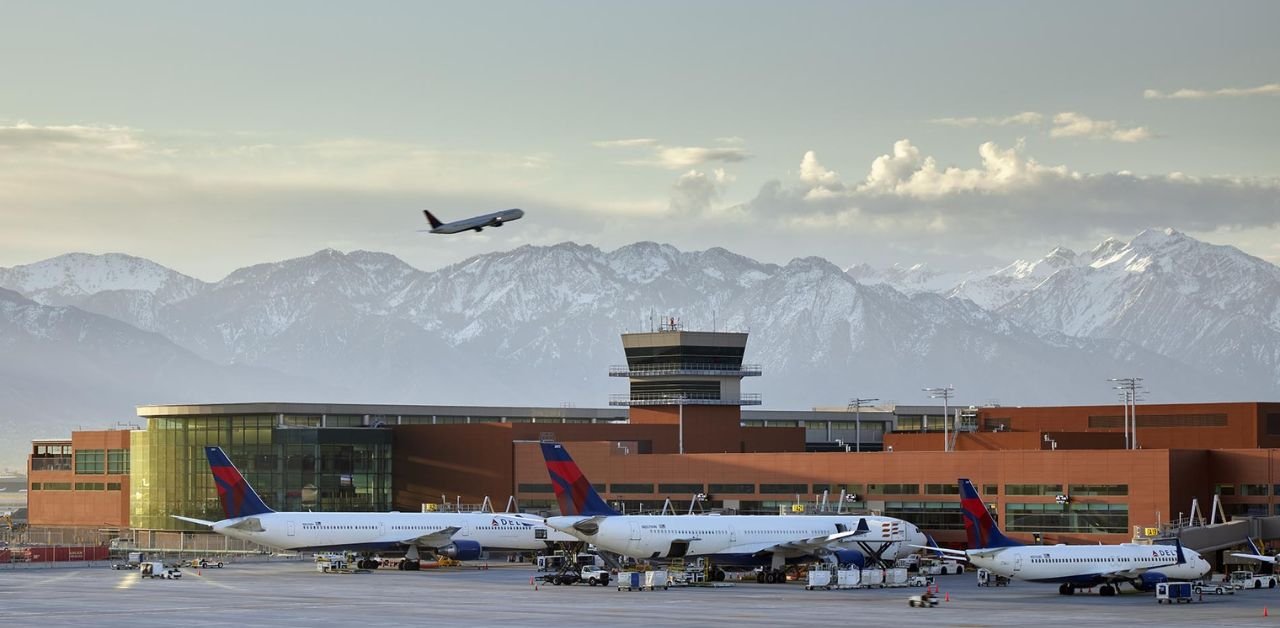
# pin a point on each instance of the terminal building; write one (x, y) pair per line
(681, 434)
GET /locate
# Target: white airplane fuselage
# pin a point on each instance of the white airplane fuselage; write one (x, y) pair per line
(738, 539)
(1086, 564)
(388, 531)
(477, 223)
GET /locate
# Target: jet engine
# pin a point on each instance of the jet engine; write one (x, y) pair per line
(461, 550)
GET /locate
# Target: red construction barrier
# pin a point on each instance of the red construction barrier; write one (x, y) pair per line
(63, 553)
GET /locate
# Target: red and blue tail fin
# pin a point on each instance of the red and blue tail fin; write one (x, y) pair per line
(573, 491)
(981, 529)
(238, 498)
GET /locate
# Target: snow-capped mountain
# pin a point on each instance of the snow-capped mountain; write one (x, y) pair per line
(1198, 303)
(539, 326)
(62, 367)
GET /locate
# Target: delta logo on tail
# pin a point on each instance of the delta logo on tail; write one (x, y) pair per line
(573, 491)
(237, 497)
(979, 526)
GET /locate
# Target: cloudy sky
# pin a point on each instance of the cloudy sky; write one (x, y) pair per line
(209, 136)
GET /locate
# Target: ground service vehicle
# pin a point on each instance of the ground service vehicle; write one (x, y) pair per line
(988, 579)
(155, 569)
(1213, 588)
(1250, 580)
(589, 574)
(1172, 592)
(924, 600)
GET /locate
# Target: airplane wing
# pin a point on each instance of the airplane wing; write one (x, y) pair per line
(194, 520)
(1259, 557)
(435, 539)
(805, 546)
(944, 550)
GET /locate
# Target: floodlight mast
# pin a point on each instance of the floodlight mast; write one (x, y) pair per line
(1129, 387)
(944, 393)
(858, 403)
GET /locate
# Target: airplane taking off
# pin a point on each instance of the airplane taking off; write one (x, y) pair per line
(1072, 566)
(461, 536)
(771, 541)
(496, 219)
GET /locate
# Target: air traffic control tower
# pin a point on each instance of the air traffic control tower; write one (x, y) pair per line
(688, 378)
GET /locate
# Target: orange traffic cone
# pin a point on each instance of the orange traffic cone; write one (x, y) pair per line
(947, 598)
(1264, 611)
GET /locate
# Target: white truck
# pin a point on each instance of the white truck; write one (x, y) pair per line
(1250, 580)
(132, 560)
(156, 569)
(935, 567)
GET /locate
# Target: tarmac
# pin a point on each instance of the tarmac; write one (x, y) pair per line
(293, 594)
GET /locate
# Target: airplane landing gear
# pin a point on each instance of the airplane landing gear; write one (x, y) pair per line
(1106, 590)
(1066, 589)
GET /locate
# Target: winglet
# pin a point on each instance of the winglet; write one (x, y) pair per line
(435, 222)
(238, 498)
(573, 490)
(979, 526)
(1182, 558)
(1254, 546)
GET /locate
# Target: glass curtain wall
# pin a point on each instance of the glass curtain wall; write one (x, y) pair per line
(292, 468)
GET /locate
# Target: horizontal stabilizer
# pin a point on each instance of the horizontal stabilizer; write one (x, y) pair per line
(943, 550)
(1259, 557)
(201, 522)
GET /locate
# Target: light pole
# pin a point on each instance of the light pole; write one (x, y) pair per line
(1130, 387)
(857, 404)
(944, 393)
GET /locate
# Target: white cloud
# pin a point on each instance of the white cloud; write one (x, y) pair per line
(1009, 197)
(1026, 118)
(1200, 94)
(75, 138)
(1071, 124)
(695, 191)
(627, 143)
(680, 157)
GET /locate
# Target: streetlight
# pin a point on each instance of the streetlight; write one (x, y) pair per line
(857, 405)
(944, 393)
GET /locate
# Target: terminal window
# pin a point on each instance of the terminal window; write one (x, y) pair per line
(942, 489)
(680, 488)
(1105, 489)
(893, 489)
(118, 461)
(717, 489)
(90, 461)
(535, 488)
(929, 515)
(1253, 490)
(776, 489)
(1224, 489)
(632, 488)
(1032, 489)
(1076, 517)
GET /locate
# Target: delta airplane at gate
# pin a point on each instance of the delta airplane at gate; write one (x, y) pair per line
(771, 541)
(1071, 566)
(461, 536)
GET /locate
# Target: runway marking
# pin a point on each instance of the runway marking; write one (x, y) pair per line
(128, 580)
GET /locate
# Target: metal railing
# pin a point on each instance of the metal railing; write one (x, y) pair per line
(653, 370)
(691, 399)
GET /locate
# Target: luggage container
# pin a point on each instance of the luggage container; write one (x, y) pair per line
(818, 579)
(896, 577)
(1172, 592)
(848, 578)
(871, 578)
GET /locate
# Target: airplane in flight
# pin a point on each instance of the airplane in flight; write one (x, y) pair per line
(770, 541)
(1071, 566)
(461, 536)
(477, 223)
